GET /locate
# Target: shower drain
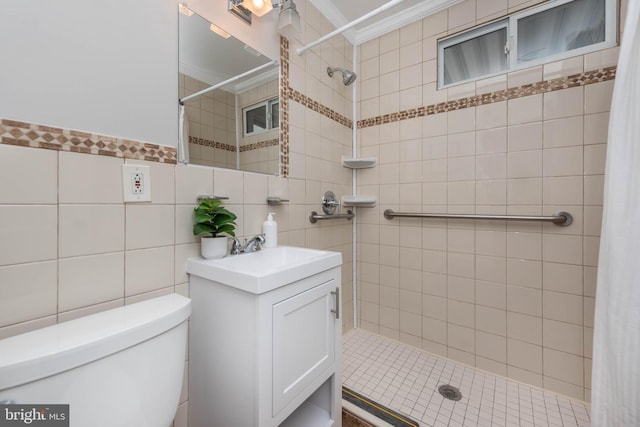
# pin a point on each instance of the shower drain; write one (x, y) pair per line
(450, 392)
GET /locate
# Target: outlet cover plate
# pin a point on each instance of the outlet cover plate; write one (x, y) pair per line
(136, 183)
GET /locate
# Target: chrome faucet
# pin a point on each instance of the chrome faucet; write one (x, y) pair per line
(254, 244)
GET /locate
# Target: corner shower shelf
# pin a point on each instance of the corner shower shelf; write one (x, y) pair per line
(359, 201)
(359, 162)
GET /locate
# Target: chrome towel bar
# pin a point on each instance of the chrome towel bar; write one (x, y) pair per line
(315, 216)
(559, 218)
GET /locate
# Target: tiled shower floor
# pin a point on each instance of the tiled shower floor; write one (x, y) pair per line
(406, 380)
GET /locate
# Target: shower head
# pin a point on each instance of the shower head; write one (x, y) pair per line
(348, 77)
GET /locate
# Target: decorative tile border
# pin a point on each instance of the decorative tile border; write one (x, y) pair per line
(259, 145)
(13, 132)
(210, 143)
(582, 79)
(284, 106)
(319, 108)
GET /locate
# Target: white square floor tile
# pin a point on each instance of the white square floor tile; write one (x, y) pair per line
(406, 379)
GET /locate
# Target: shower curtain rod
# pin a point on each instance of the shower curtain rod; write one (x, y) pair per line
(351, 24)
(226, 82)
(559, 218)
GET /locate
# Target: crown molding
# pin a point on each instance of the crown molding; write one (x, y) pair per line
(398, 20)
(402, 18)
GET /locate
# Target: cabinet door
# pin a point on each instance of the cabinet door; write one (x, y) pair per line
(304, 333)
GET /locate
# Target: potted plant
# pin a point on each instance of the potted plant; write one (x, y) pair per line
(213, 223)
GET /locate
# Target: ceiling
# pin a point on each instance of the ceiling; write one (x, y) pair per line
(341, 12)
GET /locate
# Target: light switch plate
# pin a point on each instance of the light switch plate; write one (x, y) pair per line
(136, 183)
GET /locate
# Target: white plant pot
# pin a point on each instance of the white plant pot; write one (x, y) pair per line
(213, 247)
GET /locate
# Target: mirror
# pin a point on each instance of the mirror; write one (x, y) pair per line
(235, 126)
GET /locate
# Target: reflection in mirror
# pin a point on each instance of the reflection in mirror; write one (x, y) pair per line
(236, 125)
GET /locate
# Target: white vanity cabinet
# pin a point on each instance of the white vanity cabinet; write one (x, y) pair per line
(266, 354)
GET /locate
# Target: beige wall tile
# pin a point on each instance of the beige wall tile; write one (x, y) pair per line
(461, 193)
(564, 278)
(229, 183)
(593, 189)
(491, 116)
(524, 355)
(524, 376)
(525, 110)
(564, 132)
(491, 294)
(563, 68)
(491, 269)
(411, 323)
(523, 272)
(566, 190)
(563, 103)
(461, 338)
(525, 137)
(594, 159)
(434, 330)
(89, 280)
(524, 300)
(491, 141)
(491, 192)
(563, 161)
(525, 328)
(463, 120)
(592, 220)
(149, 226)
(33, 175)
(563, 337)
(193, 181)
(149, 269)
(563, 307)
(524, 164)
(491, 346)
(597, 97)
(562, 249)
(461, 289)
(461, 265)
(564, 388)
(461, 313)
(563, 366)
(524, 245)
(492, 166)
(182, 253)
(27, 292)
(524, 191)
(32, 231)
(526, 76)
(90, 179)
(491, 320)
(596, 127)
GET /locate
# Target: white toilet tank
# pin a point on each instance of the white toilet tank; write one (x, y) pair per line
(119, 368)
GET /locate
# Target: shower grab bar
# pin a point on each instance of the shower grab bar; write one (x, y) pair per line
(181, 101)
(315, 216)
(561, 218)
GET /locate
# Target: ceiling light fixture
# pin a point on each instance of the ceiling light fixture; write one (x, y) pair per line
(258, 7)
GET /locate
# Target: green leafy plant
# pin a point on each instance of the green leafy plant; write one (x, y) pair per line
(212, 219)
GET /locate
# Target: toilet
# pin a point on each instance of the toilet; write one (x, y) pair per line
(118, 368)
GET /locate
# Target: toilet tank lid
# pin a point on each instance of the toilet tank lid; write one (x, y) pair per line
(57, 348)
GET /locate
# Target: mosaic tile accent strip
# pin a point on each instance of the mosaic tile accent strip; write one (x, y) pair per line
(582, 79)
(406, 379)
(37, 136)
(284, 106)
(319, 108)
(259, 145)
(210, 143)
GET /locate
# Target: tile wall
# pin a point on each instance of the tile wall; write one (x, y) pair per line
(69, 246)
(515, 299)
(212, 124)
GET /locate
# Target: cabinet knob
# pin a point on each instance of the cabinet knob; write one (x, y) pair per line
(337, 310)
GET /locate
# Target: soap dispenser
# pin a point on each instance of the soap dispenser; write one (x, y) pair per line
(270, 231)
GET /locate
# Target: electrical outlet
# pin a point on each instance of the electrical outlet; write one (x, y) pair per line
(136, 182)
